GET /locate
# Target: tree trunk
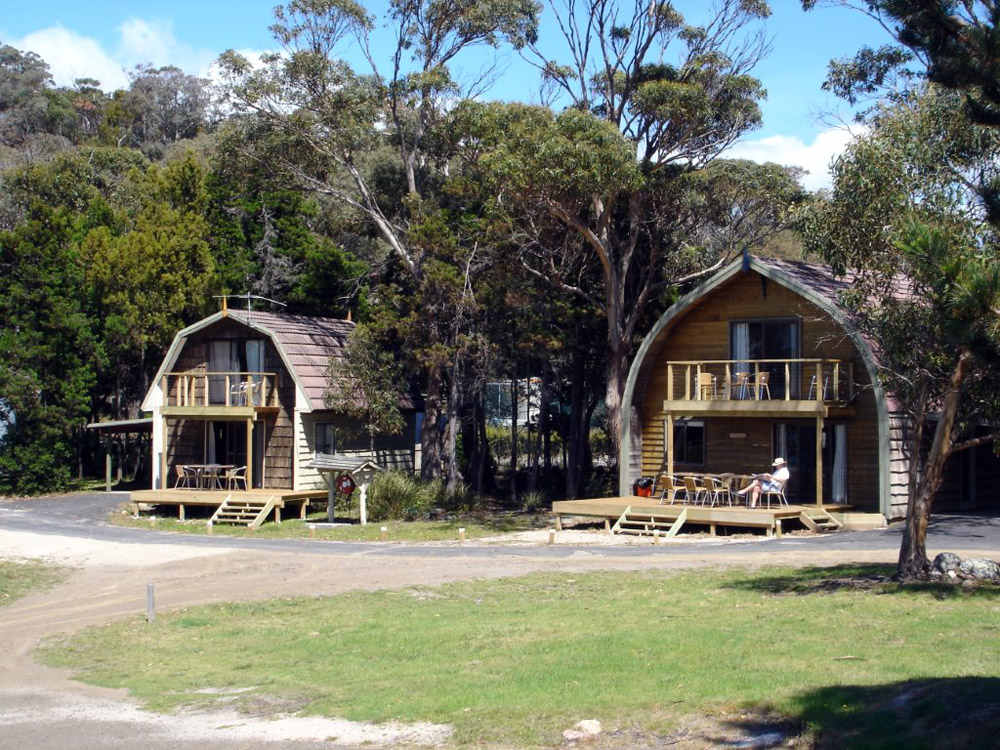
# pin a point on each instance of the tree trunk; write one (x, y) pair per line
(913, 561)
(513, 439)
(618, 352)
(430, 442)
(454, 425)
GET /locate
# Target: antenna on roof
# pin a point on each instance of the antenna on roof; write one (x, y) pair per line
(226, 297)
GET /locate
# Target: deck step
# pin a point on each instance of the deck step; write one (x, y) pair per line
(818, 520)
(244, 512)
(649, 523)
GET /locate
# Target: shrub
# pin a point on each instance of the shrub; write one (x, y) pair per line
(398, 495)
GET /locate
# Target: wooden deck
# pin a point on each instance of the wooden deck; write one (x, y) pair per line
(664, 517)
(214, 498)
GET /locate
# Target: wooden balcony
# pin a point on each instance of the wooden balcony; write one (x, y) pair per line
(762, 387)
(220, 395)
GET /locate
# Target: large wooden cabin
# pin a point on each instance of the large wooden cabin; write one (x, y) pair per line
(247, 389)
(691, 404)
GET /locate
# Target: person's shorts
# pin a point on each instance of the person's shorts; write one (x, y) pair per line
(770, 486)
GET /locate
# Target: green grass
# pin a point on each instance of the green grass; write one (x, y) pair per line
(510, 663)
(20, 578)
(476, 527)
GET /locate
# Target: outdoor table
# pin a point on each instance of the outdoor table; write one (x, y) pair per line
(208, 474)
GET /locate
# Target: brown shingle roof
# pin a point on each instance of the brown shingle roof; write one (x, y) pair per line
(309, 344)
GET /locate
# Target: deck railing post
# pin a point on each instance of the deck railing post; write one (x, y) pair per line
(788, 380)
(670, 382)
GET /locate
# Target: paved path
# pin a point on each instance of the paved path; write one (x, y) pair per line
(42, 708)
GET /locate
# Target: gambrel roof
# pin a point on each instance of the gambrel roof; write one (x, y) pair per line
(306, 345)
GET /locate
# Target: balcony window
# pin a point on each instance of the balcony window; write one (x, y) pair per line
(767, 339)
(232, 356)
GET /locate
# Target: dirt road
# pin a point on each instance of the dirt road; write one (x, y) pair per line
(43, 708)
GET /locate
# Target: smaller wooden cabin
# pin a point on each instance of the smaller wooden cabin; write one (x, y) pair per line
(244, 388)
(761, 361)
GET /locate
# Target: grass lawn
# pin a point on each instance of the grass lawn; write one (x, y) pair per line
(20, 578)
(860, 661)
(476, 527)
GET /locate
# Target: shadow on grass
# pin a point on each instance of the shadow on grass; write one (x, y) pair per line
(962, 712)
(876, 579)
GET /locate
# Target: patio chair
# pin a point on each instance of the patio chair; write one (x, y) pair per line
(235, 476)
(717, 490)
(695, 489)
(707, 388)
(740, 385)
(812, 387)
(186, 477)
(760, 385)
(778, 495)
(669, 488)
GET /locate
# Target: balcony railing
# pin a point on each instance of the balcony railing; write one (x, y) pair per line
(823, 380)
(206, 389)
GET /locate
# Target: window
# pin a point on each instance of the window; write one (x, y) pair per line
(689, 441)
(768, 340)
(326, 438)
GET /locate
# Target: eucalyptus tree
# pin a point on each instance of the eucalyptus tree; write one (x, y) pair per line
(649, 103)
(308, 115)
(905, 217)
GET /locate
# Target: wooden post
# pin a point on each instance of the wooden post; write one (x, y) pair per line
(788, 381)
(670, 444)
(312, 531)
(363, 499)
(208, 527)
(819, 460)
(163, 457)
(819, 381)
(383, 534)
(670, 382)
(249, 449)
(107, 469)
(180, 512)
(150, 602)
(552, 537)
(461, 536)
(331, 505)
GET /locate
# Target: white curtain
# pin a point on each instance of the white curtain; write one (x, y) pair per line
(839, 488)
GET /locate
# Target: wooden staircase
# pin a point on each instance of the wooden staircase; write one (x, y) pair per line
(667, 523)
(818, 520)
(245, 511)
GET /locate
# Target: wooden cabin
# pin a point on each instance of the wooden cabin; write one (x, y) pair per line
(246, 389)
(761, 361)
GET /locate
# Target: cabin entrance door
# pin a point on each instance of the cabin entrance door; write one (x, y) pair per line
(227, 444)
(796, 442)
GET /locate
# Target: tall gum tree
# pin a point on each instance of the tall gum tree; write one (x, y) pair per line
(622, 166)
(309, 116)
(953, 149)
(904, 217)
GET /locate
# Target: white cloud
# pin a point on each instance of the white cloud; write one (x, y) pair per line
(814, 157)
(71, 55)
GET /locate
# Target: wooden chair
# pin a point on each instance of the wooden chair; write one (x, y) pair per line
(694, 489)
(760, 385)
(186, 477)
(707, 388)
(718, 490)
(669, 488)
(235, 476)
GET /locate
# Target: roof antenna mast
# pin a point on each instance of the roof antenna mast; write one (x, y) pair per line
(226, 297)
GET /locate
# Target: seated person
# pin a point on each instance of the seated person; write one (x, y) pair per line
(767, 482)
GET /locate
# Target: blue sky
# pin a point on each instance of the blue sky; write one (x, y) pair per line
(104, 38)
